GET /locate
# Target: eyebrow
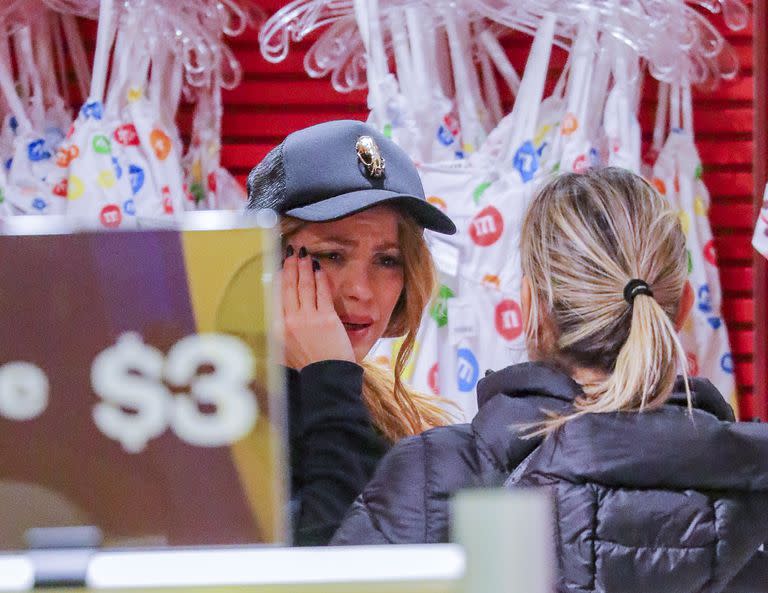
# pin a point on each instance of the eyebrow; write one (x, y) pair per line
(352, 243)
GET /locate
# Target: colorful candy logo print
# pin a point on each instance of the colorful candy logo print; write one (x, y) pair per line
(468, 370)
(709, 252)
(433, 379)
(106, 179)
(581, 164)
(444, 136)
(726, 363)
(212, 183)
(75, 187)
(127, 135)
(439, 309)
(700, 206)
(451, 123)
(705, 299)
(480, 190)
(134, 94)
(196, 193)
(118, 169)
(101, 144)
(438, 202)
(167, 202)
(486, 227)
(492, 280)
(693, 364)
(110, 216)
(129, 207)
(570, 124)
(39, 204)
(161, 144)
(715, 322)
(526, 161)
(660, 186)
(36, 150)
(92, 110)
(136, 175)
(66, 154)
(60, 189)
(509, 319)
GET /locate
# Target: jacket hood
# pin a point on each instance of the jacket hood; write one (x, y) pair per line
(539, 379)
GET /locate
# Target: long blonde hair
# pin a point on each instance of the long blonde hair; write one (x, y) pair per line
(585, 236)
(396, 410)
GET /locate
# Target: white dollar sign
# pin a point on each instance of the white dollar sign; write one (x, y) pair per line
(114, 378)
(226, 388)
(23, 391)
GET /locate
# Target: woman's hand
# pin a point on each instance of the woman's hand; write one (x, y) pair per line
(313, 330)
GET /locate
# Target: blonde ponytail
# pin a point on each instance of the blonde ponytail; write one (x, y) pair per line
(585, 237)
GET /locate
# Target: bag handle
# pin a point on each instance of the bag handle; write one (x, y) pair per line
(490, 88)
(369, 25)
(401, 48)
(105, 38)
(662, 109)
(525, 111)
(44, 56)
(61, 65)
(28, 71)
(599, 89)
(499, 58)
(8, 88)
(674, 106)
(467, 86)
(687, 101)
(79, 59)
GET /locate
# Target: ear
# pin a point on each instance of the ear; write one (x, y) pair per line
(686, 304)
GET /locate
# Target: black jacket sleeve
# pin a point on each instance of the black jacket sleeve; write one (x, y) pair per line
(335, 448)
(391, 509)
(753, 578)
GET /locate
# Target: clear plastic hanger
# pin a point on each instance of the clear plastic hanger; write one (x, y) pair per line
(294, 21)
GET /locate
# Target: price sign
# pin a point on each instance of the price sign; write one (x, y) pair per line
(133, 381)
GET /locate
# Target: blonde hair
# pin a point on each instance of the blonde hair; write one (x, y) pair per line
(396, 410)
(585, 236)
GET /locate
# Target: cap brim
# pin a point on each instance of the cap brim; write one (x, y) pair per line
(427, 215)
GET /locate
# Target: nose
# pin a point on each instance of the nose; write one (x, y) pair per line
(357, 283)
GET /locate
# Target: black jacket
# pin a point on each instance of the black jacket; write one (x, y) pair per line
(658, 501)
(334, 447)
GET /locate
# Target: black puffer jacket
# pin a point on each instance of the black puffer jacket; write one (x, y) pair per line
(659, 501)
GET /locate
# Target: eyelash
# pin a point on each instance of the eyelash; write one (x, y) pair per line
(388, 261)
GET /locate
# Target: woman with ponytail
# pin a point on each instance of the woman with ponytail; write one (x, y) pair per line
(355, 268)
(657, 488)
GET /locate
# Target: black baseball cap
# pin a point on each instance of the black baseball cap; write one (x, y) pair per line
(337, 168)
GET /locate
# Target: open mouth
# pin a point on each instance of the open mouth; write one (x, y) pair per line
(356, 326)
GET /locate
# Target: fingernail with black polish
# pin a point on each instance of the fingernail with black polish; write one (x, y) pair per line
(303, 252)
(315, 265)
(289, 251)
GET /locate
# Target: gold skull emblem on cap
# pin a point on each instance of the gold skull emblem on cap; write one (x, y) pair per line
(369, 154)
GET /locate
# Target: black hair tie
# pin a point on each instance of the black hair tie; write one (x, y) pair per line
(635, 287)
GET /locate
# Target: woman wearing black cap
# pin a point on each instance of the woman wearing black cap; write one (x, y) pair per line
(356, 269)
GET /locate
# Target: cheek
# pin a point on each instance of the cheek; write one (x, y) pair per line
(389, 288)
